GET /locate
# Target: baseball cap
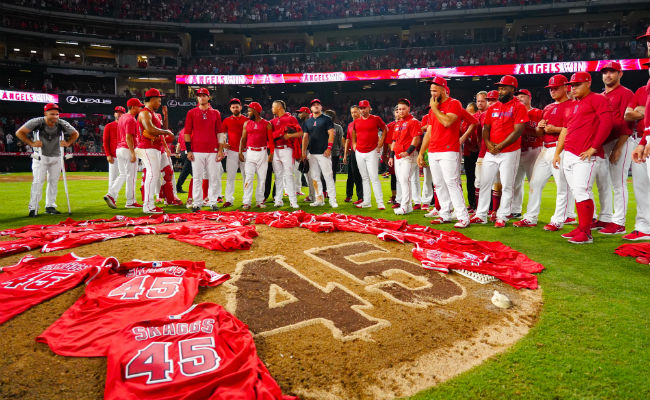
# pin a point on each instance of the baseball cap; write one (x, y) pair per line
(203, 91)
(557, 80)
(440, 81)
(120, 109)
(493, 94)
(580, 77)
(612, 65)
(646, 36)
(404, 100)
(153, 92)
(364, 103)
(304, 110)
(256, 106)
(51, 106)
(524, 91)
(132, 102)
(508, 80)
(315, 101)
(234, 100)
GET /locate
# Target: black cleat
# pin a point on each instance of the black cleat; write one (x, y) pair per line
(196, 209)
(180, 190)
(32, 213)
(215, 208)
(52, 210)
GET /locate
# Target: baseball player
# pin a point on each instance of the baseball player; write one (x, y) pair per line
(531, 147)
(319, 139)
(354, 176)
(590, 122)
(483, 101)
(367, 143)
(202, 128)
(47, 140)
(256, 139)
(554, 118)
(504, 124)
(127, 130)
(233, 126)
(469, 127)
(299, 176)
(428, 197)
(613, 169)
(149, 149)
(388, 143)
(442, 141)
(110, 139)
(286, 131)
(403, 153)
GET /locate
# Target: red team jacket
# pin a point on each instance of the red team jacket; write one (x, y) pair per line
(110, 139)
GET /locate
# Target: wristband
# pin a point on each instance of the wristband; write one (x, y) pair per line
(188, 146)
(329, 146)
(392, 154)
(410, 149)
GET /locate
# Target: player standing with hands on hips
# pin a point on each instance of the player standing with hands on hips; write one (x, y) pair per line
(47, 142)
(256, 138)
(589, 124)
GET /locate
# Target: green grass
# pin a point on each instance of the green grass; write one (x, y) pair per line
(593, 337)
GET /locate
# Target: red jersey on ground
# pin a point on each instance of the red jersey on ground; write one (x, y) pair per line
(234, 126)
(258, 134)
(110, 139)
(368, 132)
(282, 125)
(144, 143)
(556, 114)
(443, 138)
(33, 280)
(502, 118)
(203, 353)
(204, 126)
(404, 131)
(76, 239)
(590, 122)
(121, 296)
(528, 138)
(620, 97)
(127, 124)
(639, 99)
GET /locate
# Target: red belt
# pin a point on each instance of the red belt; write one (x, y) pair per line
(257, 148)
(549, 145)
(281, 147)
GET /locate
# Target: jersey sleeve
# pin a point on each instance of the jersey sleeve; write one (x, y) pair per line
(456, 108)
(329, 124)
(188, 123)
(210, 278)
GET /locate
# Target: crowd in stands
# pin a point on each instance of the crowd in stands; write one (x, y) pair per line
(232, 11)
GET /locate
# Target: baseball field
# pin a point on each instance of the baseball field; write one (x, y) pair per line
(591, 339)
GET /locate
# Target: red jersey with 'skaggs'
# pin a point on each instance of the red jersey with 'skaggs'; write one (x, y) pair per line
(33, 280)
(121, 296)
(202, 353)
(502, 118)
(444, 139)
(368, 132)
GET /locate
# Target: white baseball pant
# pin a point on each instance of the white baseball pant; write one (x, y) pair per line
(283, 170)
(47, 168)
(504, 165)
(580, 175)
(297, 183)
(368, 164)
(151, 159)
(318, 164)
(641, 185)
(525, 170)
(618, 173)
(232, 163)
(427, 186)
(126, 174)
(256, 164)
(564, 201)
(445, 171)
(206, 166)
(113, 172)
(404, 168)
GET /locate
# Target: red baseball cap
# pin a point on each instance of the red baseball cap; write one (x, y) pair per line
(132, 102)
(364, 103)
(404, 100)
(51, 106)
(580, 77)
(315, 101)
(153, 92)
(234, 100)
(556, 81)
(524, 91)
(508, 80)
(304, 110)
(646, 36)
(612, 65)
(440, 81)
(203, 91)
(256, 106)
(120, 109)
(493, 94)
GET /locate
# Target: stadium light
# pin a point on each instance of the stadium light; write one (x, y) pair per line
(61, 55)
(16, 49)
(33, 51)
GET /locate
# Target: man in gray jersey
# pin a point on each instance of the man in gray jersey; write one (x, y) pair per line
(47, 138)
